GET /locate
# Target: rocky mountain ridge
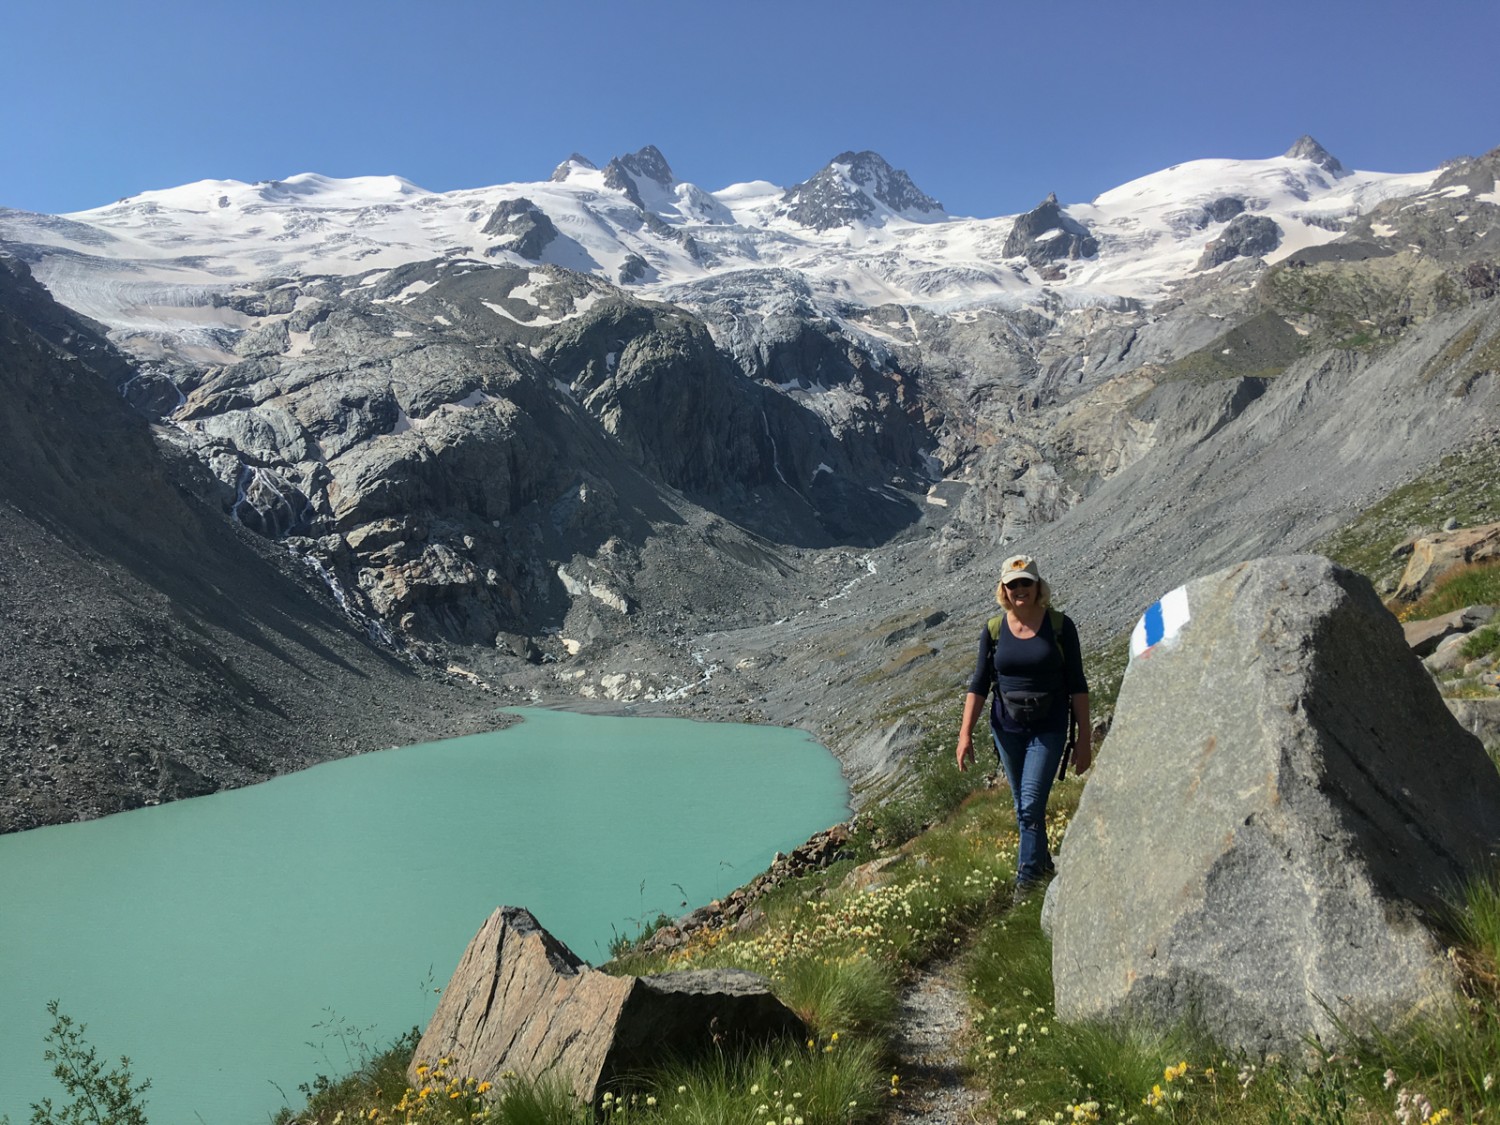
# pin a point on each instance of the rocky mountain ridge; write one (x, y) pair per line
(753, 493)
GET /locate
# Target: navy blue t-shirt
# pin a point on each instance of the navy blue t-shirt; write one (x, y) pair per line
(1030, 664)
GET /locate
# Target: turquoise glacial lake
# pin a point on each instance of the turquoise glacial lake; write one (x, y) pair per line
(239, 944)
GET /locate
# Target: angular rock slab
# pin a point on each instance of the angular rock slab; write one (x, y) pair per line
(521, 1002)
(1282, 804)
(1436, 555)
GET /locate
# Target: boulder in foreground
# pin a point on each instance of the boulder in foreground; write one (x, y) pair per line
(521, 1002)
(1283, 806)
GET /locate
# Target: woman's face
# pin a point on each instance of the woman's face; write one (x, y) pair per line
(1021, 591)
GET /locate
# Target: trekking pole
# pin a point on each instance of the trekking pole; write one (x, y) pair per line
(1062, 767)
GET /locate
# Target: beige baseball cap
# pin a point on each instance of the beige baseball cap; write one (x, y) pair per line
(1019, 566)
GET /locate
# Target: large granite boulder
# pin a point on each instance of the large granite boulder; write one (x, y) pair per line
(521, 1001)
(1282, 808)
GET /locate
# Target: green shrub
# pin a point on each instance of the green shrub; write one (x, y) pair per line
(1481, 643)
(99, 1096)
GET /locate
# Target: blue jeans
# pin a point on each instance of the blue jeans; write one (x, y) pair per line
(1030, 760)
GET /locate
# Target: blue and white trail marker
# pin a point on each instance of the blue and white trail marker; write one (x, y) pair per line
(1161, 623)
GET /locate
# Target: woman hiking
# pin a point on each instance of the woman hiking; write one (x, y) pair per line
(1031, 657)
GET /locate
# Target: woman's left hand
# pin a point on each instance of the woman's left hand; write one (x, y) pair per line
(1083, 754)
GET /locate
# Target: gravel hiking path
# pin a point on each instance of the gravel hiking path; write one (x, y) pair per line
(932, 1030)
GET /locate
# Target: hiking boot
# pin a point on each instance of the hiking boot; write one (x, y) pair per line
(1025, 890)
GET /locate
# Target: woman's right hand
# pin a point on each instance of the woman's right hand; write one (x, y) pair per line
(965, 750)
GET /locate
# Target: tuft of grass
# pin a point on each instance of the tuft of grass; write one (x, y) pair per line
(1482, 643)
(546, 1101)
(1474, 584)
(836, 1080)
(840, 995)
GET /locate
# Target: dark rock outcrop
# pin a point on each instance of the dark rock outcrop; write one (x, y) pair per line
(520, 1001)
(1224, 208)
(1045, 234)
(1282, 807)
(634, 269)
(1248, 236)
(520, 226)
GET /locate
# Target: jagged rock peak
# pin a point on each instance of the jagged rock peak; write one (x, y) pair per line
(1308, 149)
(568, 166)
(521, 226)
(848, 189)
(648, 163)
(1045, 234)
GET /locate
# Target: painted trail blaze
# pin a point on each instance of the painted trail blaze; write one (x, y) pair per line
(1161, 623)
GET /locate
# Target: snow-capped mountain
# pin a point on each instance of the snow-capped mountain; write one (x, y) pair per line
(859, 232)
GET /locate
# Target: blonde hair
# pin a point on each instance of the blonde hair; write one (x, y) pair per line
(1043, 594)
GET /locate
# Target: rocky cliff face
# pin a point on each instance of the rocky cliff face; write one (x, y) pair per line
(153, 649)
(444, 439)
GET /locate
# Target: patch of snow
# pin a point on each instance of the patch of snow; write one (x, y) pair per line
(580, 306)
(406, 294)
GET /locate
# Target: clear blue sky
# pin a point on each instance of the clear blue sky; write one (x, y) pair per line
(988, 105)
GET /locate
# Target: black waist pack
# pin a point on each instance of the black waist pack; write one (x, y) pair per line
(1027, 708)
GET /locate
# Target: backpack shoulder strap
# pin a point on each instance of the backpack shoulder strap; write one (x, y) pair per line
(1057, 617)
(994, 627)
